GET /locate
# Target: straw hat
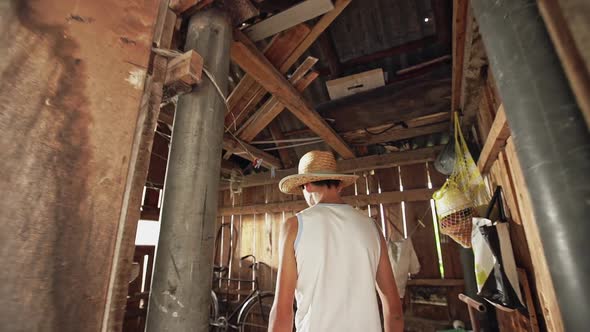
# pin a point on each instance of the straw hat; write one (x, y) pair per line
(314, 166)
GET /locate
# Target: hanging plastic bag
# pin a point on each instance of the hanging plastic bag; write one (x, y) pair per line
(461, 194)
(404, 262)
(445, 161)
(495, 268)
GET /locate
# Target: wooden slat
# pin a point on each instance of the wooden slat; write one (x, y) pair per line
(277, 52)
(565, 45)
(250, 152)
(404, 133)
(315, 32)
(545, 289)
(414, 177)
(164, 28)
(360, 200)
(299, 13)
(351, 165)
(247, 56)
(270, 110)
(459, 29)
(496, 140)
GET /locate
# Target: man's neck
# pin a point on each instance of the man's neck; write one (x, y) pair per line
(330, 198)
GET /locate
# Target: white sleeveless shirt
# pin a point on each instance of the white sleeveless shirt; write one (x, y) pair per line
(337, 251)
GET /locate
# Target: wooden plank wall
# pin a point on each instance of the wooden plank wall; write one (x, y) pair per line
(506, 172)
(258, 234)
(73, 76)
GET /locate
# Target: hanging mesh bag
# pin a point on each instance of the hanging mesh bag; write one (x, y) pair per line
(462, 193)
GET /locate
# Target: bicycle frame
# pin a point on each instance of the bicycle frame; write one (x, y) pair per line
(254, 293)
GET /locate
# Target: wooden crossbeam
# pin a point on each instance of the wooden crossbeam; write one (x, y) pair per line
(251, 60)
(250, 152)
(297, 40)
(459, 30)
(259, 120)
(350, 166)
(248, 92)
(405, 133)
(496, 140)
(284, 154)
(413, 195)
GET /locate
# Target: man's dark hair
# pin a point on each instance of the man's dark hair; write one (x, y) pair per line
(327, 183)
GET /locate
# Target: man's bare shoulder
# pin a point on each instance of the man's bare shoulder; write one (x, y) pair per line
(289, 227)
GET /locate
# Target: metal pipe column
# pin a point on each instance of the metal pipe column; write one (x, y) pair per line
(552, 143)
(180, 293)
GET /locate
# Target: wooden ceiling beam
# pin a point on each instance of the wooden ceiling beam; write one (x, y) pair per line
(248, 92)
(406, 133)
(250, 152)
(270, 110)
(250, 59)
(397, 102)
(495, 141)
(350, 166)
(412, 195)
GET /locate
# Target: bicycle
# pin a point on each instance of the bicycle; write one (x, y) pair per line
(251, 314)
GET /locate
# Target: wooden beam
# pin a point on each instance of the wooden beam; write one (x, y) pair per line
(250, 152)
(350, 165)
(361, 135)
(423, 65)
(329, 53)
(247, 56)
(459, 29)
(164, 28)
(405, 133)
(360, 200)
(248, 92)
(186, 68)
(317, 30)
(288, 18)
(270, 110)
(495, 142)
(392, 103)
(565, 46)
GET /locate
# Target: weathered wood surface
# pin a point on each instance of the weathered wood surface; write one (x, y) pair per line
(349, 166)
(396, 102)
(72, 82)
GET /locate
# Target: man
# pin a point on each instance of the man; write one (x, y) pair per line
(332, 258)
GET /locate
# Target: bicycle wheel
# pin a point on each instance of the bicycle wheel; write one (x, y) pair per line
(255, 313)
(213, 313)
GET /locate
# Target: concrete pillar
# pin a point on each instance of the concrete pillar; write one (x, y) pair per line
(552, 143)
(182, 276)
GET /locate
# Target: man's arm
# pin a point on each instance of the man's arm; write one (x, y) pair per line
(281, 315)
(392, 306)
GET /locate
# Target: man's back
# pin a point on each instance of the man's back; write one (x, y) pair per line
(337, 250)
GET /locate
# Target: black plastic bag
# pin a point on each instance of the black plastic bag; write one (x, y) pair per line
(501, 286)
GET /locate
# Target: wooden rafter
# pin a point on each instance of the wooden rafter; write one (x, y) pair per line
(250, 59)
(250, 152)
(360, 200)
(350, 165)
(248, 92)
(290, 45)
(284, 154)
(495, 141)
(396, 134)
(460, 8)
(270, 110)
